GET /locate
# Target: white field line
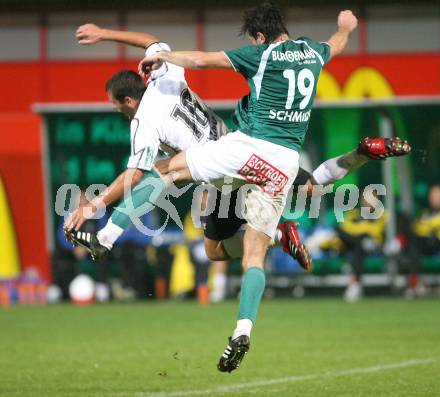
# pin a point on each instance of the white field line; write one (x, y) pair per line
(291, 379)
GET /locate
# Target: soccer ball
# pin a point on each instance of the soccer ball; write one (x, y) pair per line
(82, 290)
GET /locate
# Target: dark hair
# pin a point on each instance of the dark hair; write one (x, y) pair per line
(126, 83)
(265, 18)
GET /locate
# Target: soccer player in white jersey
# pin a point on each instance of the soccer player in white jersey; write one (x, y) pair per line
(164, 114)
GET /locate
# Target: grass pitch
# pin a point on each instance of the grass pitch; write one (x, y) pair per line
(312, 347)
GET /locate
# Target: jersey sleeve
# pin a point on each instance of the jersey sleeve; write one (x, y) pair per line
(167, 70)
(245, 60)
(144, 146)
(322, 48)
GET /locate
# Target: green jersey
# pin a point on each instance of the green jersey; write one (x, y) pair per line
(282, 77)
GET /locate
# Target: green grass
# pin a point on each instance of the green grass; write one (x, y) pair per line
(142, 349)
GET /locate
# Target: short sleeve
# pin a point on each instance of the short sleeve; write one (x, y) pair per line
(167, 69)
(246, 60)
(322, 48)
(144, 146)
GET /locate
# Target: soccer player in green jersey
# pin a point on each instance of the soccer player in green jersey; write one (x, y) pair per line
(262, 155)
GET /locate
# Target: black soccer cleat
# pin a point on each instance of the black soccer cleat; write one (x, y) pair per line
(234, 353)
(89, 241)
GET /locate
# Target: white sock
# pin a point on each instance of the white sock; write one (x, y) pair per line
(328, 172)
(334, 169)
(244, 327)
(234, 245)
(276, 238)
(219, 287)
(109, 234)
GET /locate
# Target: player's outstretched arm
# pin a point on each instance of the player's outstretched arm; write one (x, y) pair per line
(89, 34)
(126, 180)
(186, 59)
(347, 22)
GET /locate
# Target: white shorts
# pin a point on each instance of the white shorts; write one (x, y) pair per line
(244, 160)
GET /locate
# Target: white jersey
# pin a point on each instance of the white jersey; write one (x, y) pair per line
(170, 117)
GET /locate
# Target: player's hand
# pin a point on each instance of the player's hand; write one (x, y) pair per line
(148, 64)
(77, 218)
(347, 21)
(89, 34)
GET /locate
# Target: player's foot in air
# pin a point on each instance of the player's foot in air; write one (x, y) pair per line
(291, 243)
(382, 148)
(234, 353)
(89, 241)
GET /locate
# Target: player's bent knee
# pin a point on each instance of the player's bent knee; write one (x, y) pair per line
(215, 251)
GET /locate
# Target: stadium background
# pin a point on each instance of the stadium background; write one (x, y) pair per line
(393, 57)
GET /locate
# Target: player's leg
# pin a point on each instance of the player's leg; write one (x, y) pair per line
(247, 161)
(175, 169)
(252, 289)
(337, 168)
(224, 232)
(262, 213)
(287, 236)
(223, 228)
(139, 201)
(219, 281)
(265, 172)
(331, 171)
(256, 244)
(215, 250)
